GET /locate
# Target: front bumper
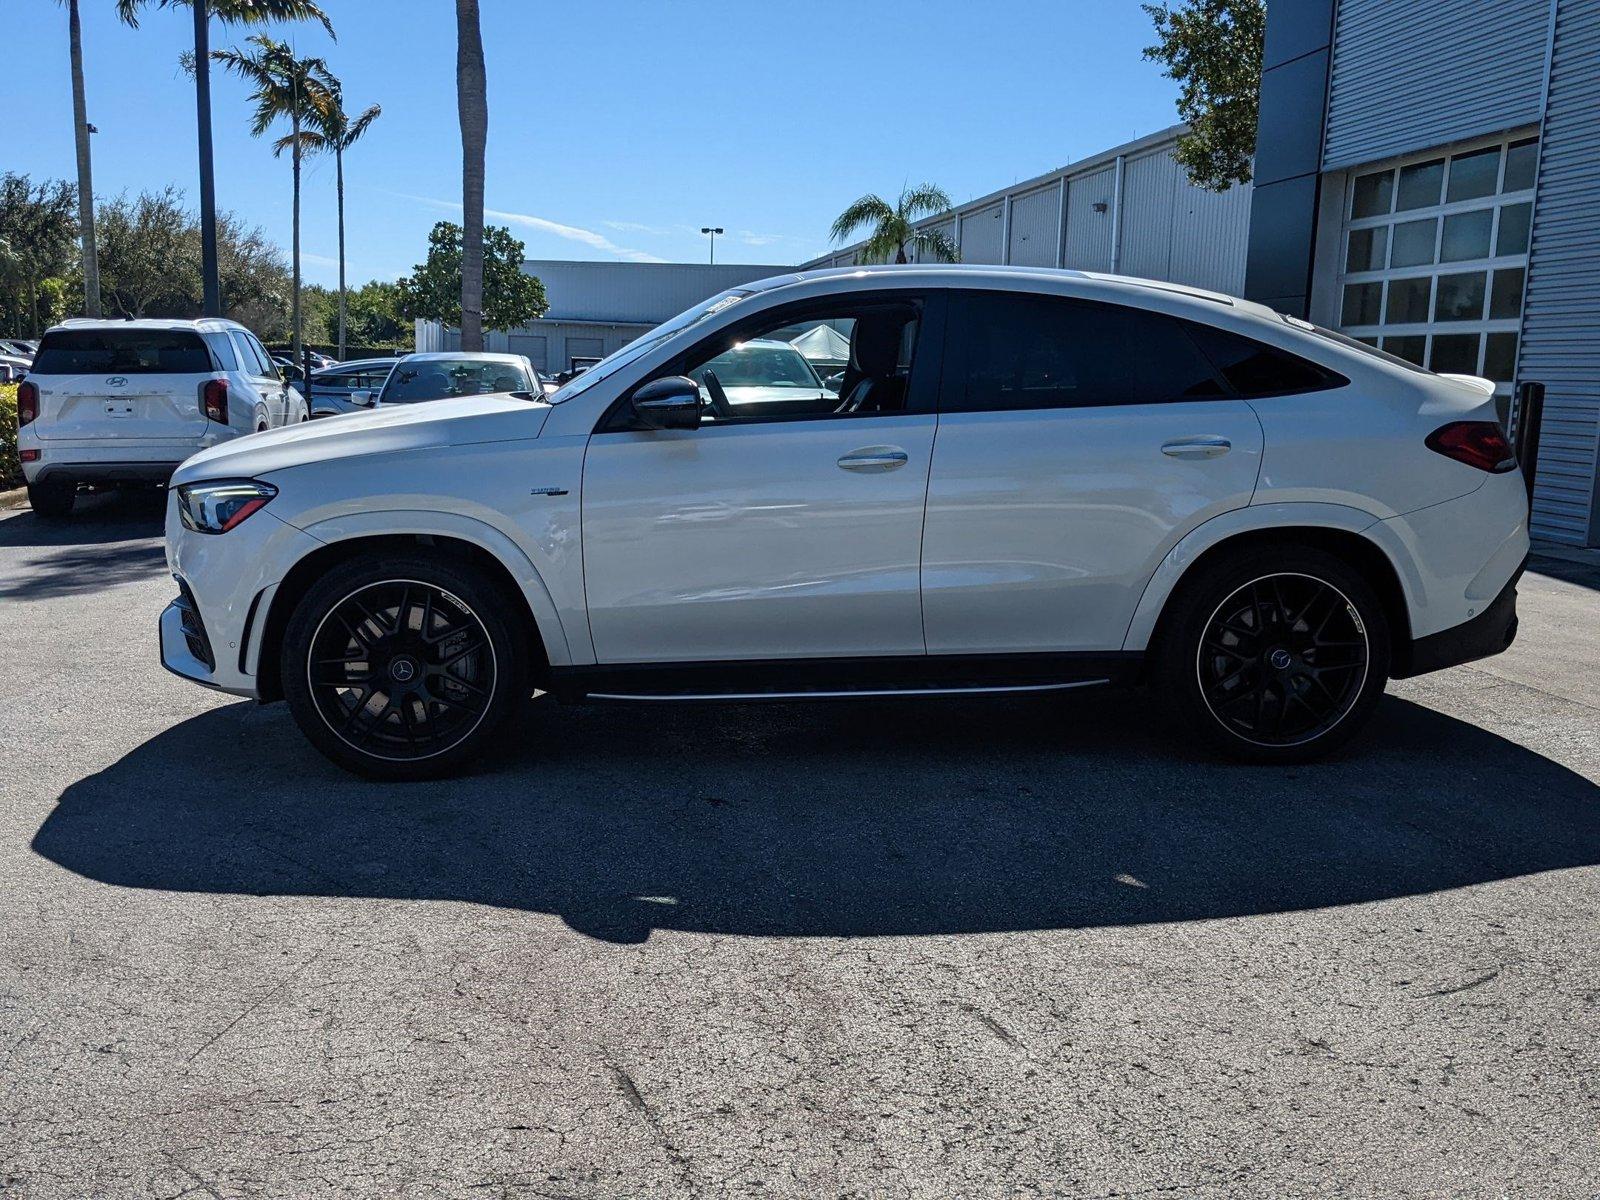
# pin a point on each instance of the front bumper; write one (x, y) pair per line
(1490, 632)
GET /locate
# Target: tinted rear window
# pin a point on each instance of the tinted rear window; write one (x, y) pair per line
(1254, 369)
(122, 352)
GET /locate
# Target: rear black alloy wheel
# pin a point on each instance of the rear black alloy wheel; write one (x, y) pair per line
(1283, 659)
(401, 670)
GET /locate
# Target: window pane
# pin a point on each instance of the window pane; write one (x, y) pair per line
(122, 351)
(222, 347)
(1362, 302)
(1374, 194)
(1456, 353)
(1411, 346)
(1420, 185)
(1030, 353)
(1521, 159)
(1500, 357)
(1466, 235)
(1473, 175)
(1460, 297)
(1514, 221)
(1253, 369)
(1408, 301)
(1413, 242)
(1367, 248)
(1505, 297)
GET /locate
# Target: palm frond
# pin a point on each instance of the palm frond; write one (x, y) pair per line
(311, 142)
(934, 245)
(922, 200)
(237, 12)
(868, 210)
(361, 124)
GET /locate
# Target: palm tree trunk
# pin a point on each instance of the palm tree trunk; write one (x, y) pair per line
(294, 303)
(33, 307)
(338, 166)
(80, 130)
(210, 283)
(472, 103)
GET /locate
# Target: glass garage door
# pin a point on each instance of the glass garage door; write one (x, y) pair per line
(1435, 255)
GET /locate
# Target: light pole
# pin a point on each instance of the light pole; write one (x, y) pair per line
(713, 231)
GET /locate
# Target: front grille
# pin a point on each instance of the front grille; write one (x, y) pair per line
(194, 629)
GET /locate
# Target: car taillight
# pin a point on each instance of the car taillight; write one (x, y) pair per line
(27, 403)
(214, 400)
(1480, 444)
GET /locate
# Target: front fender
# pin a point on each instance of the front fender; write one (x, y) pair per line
(559, 648)
(1266, 518)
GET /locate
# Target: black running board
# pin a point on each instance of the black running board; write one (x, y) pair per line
(844, 678)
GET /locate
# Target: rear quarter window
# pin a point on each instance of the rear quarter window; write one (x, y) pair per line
(1255, 370)
(122, 352)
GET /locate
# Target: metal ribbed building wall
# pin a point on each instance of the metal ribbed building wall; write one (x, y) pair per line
(1561, 313)
(1410, 74)
(1168, 228)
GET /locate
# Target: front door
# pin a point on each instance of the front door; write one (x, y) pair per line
(789, 524)
(1077, 443)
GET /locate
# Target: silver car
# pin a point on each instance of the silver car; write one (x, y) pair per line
(332, 387)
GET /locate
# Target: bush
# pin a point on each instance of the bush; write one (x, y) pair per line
(10, 465)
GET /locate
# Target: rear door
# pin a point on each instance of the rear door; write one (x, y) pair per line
(1077, 443)
(121, 384)
(263, 387)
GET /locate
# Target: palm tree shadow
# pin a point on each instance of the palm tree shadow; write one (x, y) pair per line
(834, 820)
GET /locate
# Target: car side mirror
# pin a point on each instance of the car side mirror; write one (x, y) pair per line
(670, 403)
(363, 399)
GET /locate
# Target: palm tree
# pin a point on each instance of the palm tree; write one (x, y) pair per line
(472, 104)
(301, 89)
(894, 228)
(80, 133)
(335, 132)
(229, 12)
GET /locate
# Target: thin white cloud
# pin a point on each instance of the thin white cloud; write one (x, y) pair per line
(573, 233)
(318, 260)
(652, 230)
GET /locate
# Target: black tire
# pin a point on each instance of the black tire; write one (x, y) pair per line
(403, 697)
(1276, 654)
(52, 501)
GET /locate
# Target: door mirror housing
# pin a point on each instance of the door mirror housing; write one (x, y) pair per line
(363, 399)
(670, 403)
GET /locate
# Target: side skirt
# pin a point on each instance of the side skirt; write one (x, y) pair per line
(844, 678)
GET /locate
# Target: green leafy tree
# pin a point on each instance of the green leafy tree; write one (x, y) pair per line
(375, 316)
(299, 89)
(334, 132)
(37, 235)
(149, 260)
(433, 290)
(894, 232)
(1213, 49)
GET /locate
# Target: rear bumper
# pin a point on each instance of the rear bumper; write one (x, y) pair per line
(1490, 632)
(101, 472)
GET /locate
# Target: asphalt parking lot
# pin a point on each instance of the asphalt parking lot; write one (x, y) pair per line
(992, 948)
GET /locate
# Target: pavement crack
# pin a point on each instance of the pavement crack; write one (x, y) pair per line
(1465, 987)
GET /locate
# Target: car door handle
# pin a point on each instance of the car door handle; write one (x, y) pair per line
(874, 459)
(1205, 446)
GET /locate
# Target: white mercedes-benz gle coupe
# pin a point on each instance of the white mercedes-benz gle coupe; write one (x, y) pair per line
(1025, 480)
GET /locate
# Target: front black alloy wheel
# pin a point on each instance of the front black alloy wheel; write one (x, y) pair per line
(401, 668)
(1273, 654)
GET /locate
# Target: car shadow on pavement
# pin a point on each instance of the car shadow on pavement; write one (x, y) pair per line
(107, 540)
(924, 817)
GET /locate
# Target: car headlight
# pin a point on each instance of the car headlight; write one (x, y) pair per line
(217, 506)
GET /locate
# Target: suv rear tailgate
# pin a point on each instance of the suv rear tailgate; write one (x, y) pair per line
(132, 383)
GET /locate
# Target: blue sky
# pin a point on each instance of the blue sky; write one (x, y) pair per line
(617, 128)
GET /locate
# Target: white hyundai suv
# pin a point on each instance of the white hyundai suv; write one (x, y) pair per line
(1026, 480)
(127, 401)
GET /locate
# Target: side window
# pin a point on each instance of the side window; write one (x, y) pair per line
(268, 367)
(247, 355)
(1256, 370)
(1014, 351)
(848, 357)
(222, 347)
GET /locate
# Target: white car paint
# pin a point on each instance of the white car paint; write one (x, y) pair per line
(102, 420)
(1059, 530)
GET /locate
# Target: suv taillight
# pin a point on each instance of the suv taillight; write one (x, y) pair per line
(214, 400)
(1480, 444)
(27, 403)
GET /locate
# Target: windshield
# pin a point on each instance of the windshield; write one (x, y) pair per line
(643, 344)
(751, 364)
(443, 378)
